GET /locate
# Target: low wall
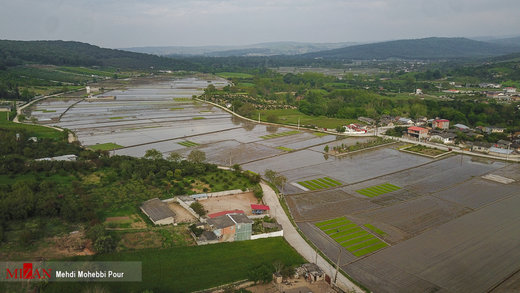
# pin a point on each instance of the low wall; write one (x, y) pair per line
(189, 209)
(216, 194)
(267, 235)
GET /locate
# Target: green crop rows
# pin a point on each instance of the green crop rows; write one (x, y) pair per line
(319, 183)
(188, 143)
(285, 149)
(280, 134)
(351, 236)
(377, 190)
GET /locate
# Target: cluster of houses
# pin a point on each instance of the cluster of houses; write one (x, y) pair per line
(223, 226)
(493, 91)
(441, 132)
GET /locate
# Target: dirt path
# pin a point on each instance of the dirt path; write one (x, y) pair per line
(295, 240)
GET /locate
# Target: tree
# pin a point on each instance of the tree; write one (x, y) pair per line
(197, 156)
(198, 208)
(280, 181)
(174, 157)
(177, 174)
(237, 168)
(326, 149)
(105, 244)
(258, 192)
(341, 129)
(153, 154)
(270, 175)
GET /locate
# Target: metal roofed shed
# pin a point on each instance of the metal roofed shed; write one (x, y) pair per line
(259, 209)
(158, 212)
(214, 215)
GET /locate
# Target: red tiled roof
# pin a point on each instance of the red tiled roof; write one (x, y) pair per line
(415, 128)
(259, 207)
(214, 215)
(442, 120)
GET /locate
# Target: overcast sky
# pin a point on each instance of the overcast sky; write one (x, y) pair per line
(130, 23)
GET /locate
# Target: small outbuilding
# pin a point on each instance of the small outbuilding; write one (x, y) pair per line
(259, 209)
(158, 212)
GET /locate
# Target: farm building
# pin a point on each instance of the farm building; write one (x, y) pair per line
(259, 209)
(158, 212)
(69, 158)
(231, 227)
(482, 147)
(441, 123)
(418, 132)
(461, 127)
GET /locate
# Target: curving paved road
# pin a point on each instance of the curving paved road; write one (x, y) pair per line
(295, 240)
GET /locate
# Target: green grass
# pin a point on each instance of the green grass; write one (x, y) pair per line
(245, 84)
(291, 116)
(183, 99)
(378, 190)
(329, 222)
(285, 149)
(117, 117)
(105, 146)
(375, 229)
(188, 143)
(31, 130)
(351, 236)
(198, 118)
(320, 134)
(320, 183)
(233, 75)
(174, 109)
(280, 134)
(179, 269)
(4, 116)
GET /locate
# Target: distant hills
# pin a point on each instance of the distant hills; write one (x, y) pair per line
(427, 48)
(79, 54)
(261, 49)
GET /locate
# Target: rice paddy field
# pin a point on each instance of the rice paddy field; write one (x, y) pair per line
(351, 236)
(319, 183)
(377, 190)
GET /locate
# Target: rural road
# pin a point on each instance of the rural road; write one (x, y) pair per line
(297, 242)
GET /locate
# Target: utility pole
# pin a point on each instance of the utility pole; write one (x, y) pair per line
(298, 123)
(258, 117)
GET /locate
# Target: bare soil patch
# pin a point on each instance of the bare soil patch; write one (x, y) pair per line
(240, 201)
(181, 214)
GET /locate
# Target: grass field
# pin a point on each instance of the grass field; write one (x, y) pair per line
(351, 236)
(319, 183)
(280, 134)
(117, 117)
(198, 118)
(233, 75)
(378, 190)
(174, 109)
(31, 130)
(425, 150)
(188, 143)
(290, 116)
(105, 146)
(285, 149)
(188, 269)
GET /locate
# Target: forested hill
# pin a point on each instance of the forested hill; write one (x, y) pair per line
(81, 54)
(428, 48)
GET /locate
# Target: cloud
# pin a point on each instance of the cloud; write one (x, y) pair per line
(123, 23)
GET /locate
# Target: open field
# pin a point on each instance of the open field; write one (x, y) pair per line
(377, 190)
(31, 130)
(291, 116)
(424, 150)
(234, 75)
(181, 214)
(240, 201)
(285, 149)
(351, 236)
(105, 146)
(444, 214)
(319, 183)
(280, 134)
(188, 143)
(159, 265)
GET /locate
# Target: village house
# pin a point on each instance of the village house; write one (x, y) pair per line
(259, 209)
(444, 137)
(441, 124)
(418, 132)
(492, 129)
(231, 227)
(367, 120)
(404, 121)
(481, 147)
(461, 127)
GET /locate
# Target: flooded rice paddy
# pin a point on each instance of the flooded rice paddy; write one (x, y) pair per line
(448, 229)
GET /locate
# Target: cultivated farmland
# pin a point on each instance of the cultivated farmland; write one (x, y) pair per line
(188, 143)
(319, 183)
(377, 190)
(351, 236)
(280, 134)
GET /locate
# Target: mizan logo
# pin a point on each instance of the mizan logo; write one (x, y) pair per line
(28, 272)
